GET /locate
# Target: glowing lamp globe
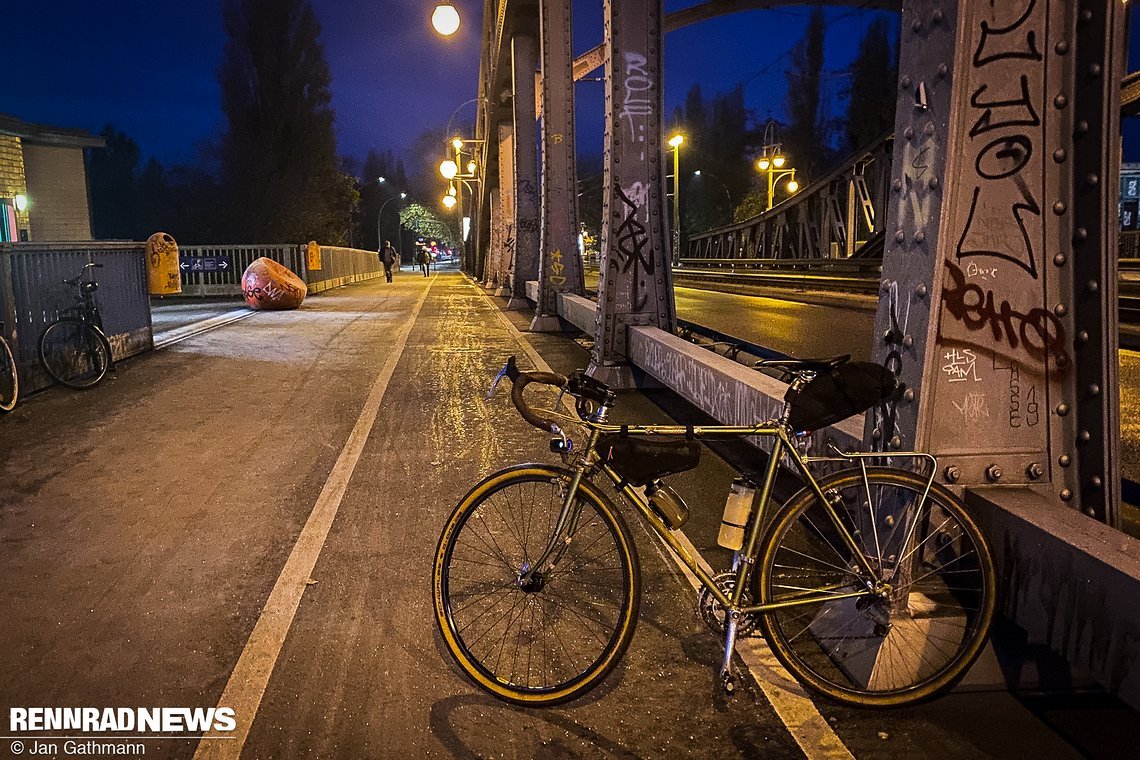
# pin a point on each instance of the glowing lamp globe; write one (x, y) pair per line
(448, 169)
(449, 201)
(445, 19)
(793, 186)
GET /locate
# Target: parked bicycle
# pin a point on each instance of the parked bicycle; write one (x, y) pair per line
(9, 380)
(74, 349)
(872, 585)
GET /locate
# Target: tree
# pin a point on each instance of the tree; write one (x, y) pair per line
(871, 95)
(427, 225)
(279, 162)
(114, 195)
(805, 140)
(374, 194)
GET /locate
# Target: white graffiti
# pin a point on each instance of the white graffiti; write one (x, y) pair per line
(973, 408)
(637, 103)
(961, 365)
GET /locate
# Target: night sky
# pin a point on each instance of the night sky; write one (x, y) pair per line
(149, 67)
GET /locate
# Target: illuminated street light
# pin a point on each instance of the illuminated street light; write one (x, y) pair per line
(449, 202)
(21, 202)
(445, 18)
(451, 190)
(448, 169)
(763, 164)
(676, 140)
(471, 165)
(457, 143)
(778, 162)
(793, 186)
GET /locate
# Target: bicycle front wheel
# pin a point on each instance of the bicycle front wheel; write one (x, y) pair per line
(9, 380)
(926, 605)
(74, 353)
(556, 635)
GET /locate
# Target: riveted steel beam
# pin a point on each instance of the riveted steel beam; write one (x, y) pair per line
(524, 60)
(502, 212)
(636, 282)
(984, 313)
(560, 265)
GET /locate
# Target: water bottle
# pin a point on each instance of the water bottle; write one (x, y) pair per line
(736, 512)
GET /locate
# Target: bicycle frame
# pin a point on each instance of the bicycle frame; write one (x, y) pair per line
(782, 444)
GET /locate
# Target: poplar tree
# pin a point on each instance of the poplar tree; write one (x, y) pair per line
(871, 94)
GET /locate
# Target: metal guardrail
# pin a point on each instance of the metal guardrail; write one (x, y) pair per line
(33, 295)
(339, 266)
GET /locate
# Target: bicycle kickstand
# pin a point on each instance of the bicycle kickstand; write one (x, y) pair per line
(727, 678)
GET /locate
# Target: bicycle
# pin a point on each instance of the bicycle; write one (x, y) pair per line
(872, 585)
(74, 349)
(9, 378)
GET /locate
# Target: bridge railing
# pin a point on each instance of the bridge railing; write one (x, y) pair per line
(339, 266)
(832, 218)
(33, 295)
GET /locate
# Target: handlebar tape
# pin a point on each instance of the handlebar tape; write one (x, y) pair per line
(521, 382)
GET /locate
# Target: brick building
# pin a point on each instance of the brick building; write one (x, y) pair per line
(43, 182)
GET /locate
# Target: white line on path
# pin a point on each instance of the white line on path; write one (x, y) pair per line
(798, 713)
(170, 337)
(250, 677)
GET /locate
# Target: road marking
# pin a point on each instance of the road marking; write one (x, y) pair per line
(250, 676)
(792, 704)
(170, 337)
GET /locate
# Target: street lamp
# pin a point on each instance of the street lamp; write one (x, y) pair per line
(448, 169)
(449, 202)
(380, 215)
(675, 143)
(772, 165)
(727, 195)
(445, 18)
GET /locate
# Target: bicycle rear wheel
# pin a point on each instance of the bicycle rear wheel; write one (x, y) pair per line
(9, 380)
(556, 637)
(911, 641)
(74, 353)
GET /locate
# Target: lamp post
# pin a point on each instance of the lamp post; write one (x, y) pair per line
(379, 216)
(675, 143)
(772, 164)
(699, 173)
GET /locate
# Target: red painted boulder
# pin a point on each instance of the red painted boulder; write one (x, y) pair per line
(268, 285)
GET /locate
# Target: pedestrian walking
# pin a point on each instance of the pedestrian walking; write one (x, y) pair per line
(425, 261)
(388, 257)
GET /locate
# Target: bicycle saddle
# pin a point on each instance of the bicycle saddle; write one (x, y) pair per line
(804, 365)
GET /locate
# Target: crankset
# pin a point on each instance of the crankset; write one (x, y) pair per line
(713, 612)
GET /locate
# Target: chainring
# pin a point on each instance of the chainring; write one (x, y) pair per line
(713, 613)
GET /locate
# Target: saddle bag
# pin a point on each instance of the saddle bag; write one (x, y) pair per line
(848, 389)
(643, 459)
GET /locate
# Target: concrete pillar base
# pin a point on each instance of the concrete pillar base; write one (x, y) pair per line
(546, 324)
(501, 292)
(618, 377)
(518, 303)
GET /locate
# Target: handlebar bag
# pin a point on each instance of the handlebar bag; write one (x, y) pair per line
(848, 389)
(641, 460)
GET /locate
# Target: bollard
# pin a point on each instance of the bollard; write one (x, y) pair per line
(163, 277)
(312, 256)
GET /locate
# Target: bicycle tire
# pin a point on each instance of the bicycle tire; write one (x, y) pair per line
(473, 543)
(9, 378)
(75, 353)
(874, 651)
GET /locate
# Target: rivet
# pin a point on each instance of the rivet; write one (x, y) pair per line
(1092, 180)
(1083, 336)
(1066, 495)
(1064, 460)
(1092, 286)
(896, 442)
(1082, 127)
(908, 133)
(1089, 511)
(932, 183)
(1082, 233)
(1094, 389)
(1095, 481)
(908, 341)
(1061, 47)
(1086, 16)
(916, 26)
(1060, 155)
(942, 70)
(908, 394)
(919, 236)
(885, 286)
(1061, 360)
(1060, 310)
(936, 17)
(920, 291)
(900, 236)
(1059, 208)
(1060, 259)
(1084, 436)
(905, 81)
(876, 434)
(993, 473)
(1062, 409)
(929, 128)
(897, 185)
(952, 474)
(1060, 101)
(1094, 69)
(1034, 471)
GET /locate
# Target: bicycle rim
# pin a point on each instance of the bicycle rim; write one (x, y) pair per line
(877, 650)
(74, 353)
(559, 637)
(9, 379)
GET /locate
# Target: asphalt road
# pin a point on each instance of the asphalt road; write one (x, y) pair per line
(147, 527)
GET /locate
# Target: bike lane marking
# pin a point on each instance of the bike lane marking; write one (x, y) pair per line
(250, 677)
(808, 727)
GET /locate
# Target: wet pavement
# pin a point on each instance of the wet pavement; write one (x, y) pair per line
(144, 526)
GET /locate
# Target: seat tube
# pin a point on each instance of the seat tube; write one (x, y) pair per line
(759, 508)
